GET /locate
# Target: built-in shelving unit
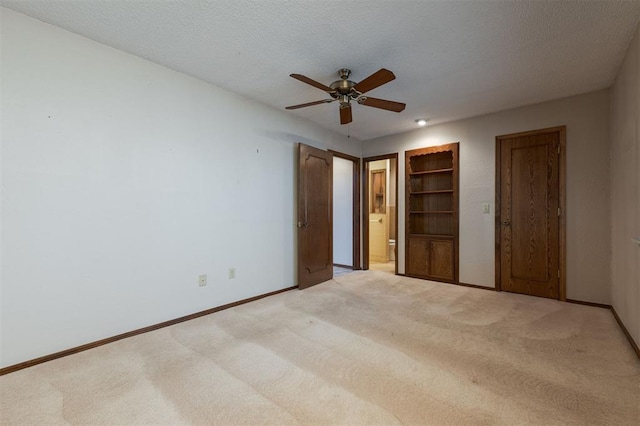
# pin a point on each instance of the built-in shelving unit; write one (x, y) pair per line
(432, 213)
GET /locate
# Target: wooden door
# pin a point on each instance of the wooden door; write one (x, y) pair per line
(315, 211)
(528, 208)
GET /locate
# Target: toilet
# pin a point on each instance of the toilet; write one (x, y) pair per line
(392, 250)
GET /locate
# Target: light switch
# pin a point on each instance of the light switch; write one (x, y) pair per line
(485, 208)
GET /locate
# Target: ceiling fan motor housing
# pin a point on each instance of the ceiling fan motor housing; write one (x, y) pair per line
(344, 90)
(343, 87)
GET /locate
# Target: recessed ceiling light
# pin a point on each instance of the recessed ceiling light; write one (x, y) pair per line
(421, 122)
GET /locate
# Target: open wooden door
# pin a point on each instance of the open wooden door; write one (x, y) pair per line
(529, 212)
(315, 212)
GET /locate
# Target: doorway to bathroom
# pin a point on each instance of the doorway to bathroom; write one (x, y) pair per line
(380, 218)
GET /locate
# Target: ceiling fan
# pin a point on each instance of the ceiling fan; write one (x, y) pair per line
(345, 91)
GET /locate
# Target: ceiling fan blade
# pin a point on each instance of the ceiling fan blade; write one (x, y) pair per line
(345, 114)
(324, 101)
(376, 79)
(382, 104)
(314, 83)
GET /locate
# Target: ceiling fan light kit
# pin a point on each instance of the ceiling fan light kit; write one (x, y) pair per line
(344, 91)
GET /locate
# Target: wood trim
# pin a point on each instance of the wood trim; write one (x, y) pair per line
(340, 265)
(357, 264)
(633, 343)
(562, 232)
(481, 287)
(365, 214)
(456, 208)
(381, 157)
(581, 302)
(87, 346)
(77, 349)
(532, 132)
(497, 208)
(397, 215)
(344, 156)
(356, 205)
(365, 206)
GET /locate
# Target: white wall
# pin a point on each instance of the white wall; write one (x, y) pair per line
(588, 237)
(122, 181)
(342, 211)
(625, 190)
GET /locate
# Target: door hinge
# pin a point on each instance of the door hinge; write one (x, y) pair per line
(558, 149)
(558, 273)
(558, 211)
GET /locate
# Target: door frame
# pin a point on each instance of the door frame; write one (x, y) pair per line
(365, 207)
(562, 245)
(356, 205)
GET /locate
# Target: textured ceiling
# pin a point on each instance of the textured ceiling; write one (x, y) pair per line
(452, 59)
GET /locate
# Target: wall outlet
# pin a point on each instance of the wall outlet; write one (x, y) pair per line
(232, 273)
(202, 280)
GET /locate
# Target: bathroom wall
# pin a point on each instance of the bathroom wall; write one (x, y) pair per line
(392, 209)
(588, 238)
(122, 181)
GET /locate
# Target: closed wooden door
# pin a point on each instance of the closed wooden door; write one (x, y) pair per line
(315, 211)
(528, 225)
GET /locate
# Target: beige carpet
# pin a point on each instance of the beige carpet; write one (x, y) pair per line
(365, 348)
(384, 267)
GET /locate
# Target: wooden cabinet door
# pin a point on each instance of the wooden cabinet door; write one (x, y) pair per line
(430, 258)
(418, 257)
(441, 259)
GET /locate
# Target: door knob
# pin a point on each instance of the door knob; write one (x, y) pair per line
(506, 223)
